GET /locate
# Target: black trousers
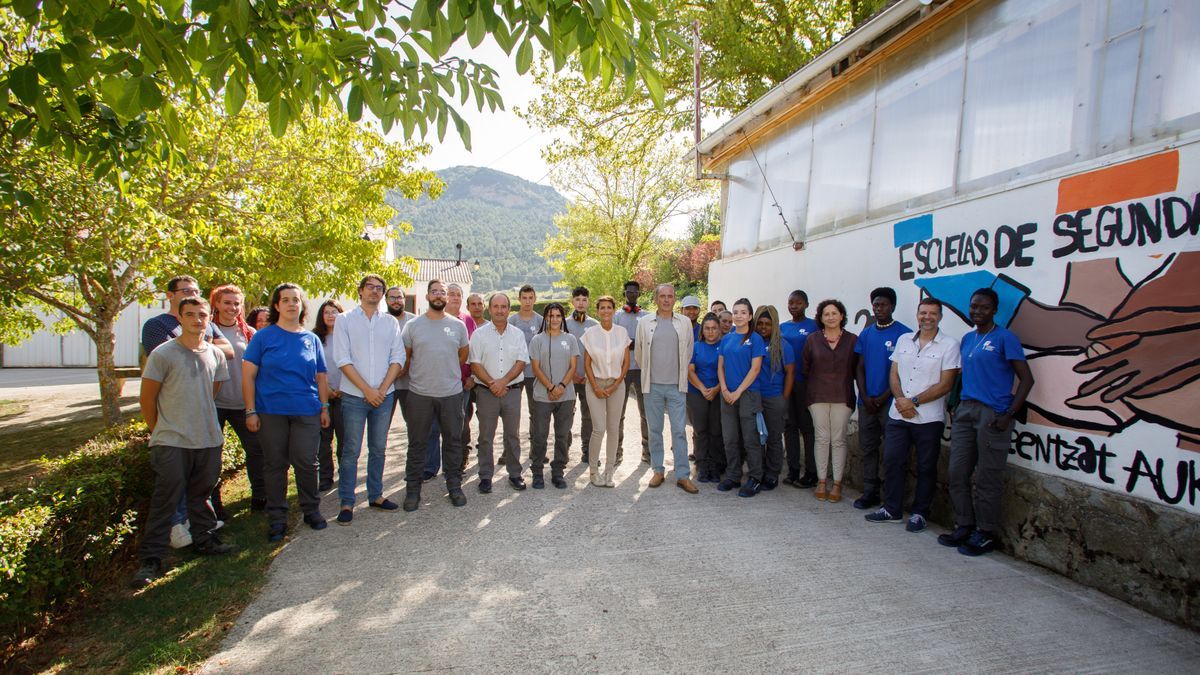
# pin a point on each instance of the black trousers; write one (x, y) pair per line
(178, 472)
(290, 441)
(325, 453)
(799, 425)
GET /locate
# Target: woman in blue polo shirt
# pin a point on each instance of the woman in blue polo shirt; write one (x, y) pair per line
(740, 358)
(284, 375)
(704, 402)
(775, 381)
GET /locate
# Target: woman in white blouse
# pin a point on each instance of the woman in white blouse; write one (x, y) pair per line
(605, 362)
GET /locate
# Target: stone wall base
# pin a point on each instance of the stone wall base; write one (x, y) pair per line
(1141, 553)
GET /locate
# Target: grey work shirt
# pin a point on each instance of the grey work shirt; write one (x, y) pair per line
(553, 355)
(628, 320)
(229, 396)
(187, 413)
(664, 353)
(528, 329)
(578, 328)
(436, 371)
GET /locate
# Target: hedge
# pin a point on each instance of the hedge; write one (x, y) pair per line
(75, 526)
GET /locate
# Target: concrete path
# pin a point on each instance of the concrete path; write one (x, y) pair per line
(22, 378)
(639, 580)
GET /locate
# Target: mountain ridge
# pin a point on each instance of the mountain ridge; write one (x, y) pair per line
(501, 220)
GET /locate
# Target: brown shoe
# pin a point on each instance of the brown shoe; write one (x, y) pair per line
(835, 495)
(687, 485)
(820, 491)
(656, 480)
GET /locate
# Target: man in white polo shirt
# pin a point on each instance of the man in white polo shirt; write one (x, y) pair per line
(498, 355)
(924, 365)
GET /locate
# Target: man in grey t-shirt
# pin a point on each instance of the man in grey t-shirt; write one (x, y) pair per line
(627, 317)
(577, 324)
(529, 323)
(179, 382)
(435, 346)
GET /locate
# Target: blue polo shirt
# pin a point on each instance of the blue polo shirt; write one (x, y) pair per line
(987, 374)
(796, 333)
(770, 383)
(288, 363)
(704, 357)
(738, 354)
(875, 346)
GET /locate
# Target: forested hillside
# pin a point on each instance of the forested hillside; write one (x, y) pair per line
(501, 221)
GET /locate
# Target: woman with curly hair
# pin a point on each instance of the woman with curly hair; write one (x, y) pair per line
(227, 302)
(829, 363)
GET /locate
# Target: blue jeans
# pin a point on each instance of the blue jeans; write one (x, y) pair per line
(357, 414)
(667, 398)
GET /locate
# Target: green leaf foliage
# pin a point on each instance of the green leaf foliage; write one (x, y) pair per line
(299, 57)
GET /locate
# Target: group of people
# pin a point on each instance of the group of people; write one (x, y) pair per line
(755, 391)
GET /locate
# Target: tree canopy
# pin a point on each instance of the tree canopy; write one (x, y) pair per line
(102, 82)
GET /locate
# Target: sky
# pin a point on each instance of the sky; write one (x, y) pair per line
(499, 140)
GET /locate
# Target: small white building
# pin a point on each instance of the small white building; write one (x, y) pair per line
(428, 269)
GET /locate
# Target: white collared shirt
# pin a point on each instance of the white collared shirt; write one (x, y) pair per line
(498, 352)
(370, 344)
(920, 368)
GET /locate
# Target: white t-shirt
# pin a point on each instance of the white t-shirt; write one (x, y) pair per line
(607, 349)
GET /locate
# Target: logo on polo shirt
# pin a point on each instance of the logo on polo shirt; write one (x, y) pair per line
(307, 343)
(564, 345)
(890, 347)
(988, 346)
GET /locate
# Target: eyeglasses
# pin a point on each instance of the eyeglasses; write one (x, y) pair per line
(395, 298)
(372, 287)
(187, 290)
(437, 293)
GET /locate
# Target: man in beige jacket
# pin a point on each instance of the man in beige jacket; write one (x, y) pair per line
(663, 349)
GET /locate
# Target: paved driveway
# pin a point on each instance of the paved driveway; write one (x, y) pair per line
(639, 580)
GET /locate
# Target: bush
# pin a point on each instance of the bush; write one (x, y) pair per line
(75, 526)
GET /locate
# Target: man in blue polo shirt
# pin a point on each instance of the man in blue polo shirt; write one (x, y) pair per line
(875, 346)
(980, 436)
(799, 420)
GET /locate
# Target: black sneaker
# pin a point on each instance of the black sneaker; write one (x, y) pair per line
(457, 498)
(769, 484)
(150, 570)
(485, 486)
(412, 500)
(726, 485)
(750, 488)
(384, 505)
(558, 482)
(978, 543)
(517, 482)
(583, 459)
(539, 483)
(213, 546)
(792, 479)
(956, 538)
(808, 480)
(315, 520)
(916, 523)
(276, 533)
(882, 515)
(867, 501)
(345, 517)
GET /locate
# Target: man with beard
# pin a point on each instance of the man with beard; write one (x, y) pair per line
(394, 297)
(436, 347)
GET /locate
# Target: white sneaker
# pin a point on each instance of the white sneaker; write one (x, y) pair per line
(220, 524)
(180, 535)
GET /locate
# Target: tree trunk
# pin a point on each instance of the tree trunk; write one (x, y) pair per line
(106, 369)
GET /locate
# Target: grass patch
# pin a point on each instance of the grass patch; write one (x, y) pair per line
(177, 622)
(21, 446)
(10, 408)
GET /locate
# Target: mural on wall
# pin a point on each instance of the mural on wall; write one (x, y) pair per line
(1105, 296)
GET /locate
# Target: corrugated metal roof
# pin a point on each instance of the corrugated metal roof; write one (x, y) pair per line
(449, 271)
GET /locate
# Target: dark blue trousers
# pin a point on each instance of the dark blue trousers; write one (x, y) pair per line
(898, 438)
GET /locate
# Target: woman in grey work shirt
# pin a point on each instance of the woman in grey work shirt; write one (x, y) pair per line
(553, 354)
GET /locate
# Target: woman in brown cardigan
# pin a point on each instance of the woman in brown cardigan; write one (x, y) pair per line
(829, 362)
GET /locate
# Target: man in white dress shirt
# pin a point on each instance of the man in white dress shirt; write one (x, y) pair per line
(498, 355)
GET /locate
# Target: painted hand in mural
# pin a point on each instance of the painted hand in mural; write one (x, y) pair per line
(1151, 359)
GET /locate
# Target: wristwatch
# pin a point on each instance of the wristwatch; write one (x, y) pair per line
(916, 400)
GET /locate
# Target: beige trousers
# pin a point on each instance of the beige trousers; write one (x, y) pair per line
(829, 427)
(606, 419)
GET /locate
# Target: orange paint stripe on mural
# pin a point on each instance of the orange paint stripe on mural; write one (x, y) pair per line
(1121, 183)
